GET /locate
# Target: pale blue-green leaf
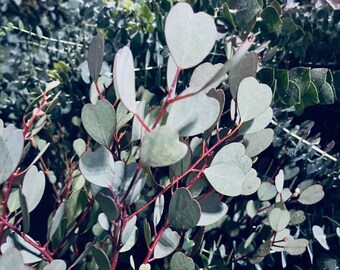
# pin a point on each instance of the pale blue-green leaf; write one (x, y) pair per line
(233, 153)
(279, 179)
(311, 195)
(253, 98)
(12, 259)
(258, 123)
(171, 70)
(24, 212)
(161, 147)
(212, 209)
(123, 116)
(257, 142)
(100, 258)
(79, 146)
(95, 55)
(145, 267)
(158, 211)
(190, 37)
(166, 244)
(13, 200)
(278, 219)
(297, 216)
(28, 252)
(103, 83)
(251, 184)
(226, 178)
(128, 230)
(132, 240)
(179, 261)
(100, 121)
(251, 209)
(56, 220)
(296, 246)
(124, 78)
(246, 67)
(266, 191)
(193, 115)
(11, 147)
(56, 265)
(184, 212)
(98, 167)
(103, 221)
(1, 127)
(284, 195)
(42, 151)
(320, 236)
(181, 166)
(33, 187)
(338, 231)
(203, 74)
(137, 127)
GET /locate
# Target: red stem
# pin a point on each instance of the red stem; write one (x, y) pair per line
(158, 236)
(98, 91)
(142, 122)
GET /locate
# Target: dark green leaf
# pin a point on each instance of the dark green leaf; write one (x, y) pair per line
(108, 206)
(212, 209)
(95, 56)
(100, 258)
(179, 261)
(24, 212)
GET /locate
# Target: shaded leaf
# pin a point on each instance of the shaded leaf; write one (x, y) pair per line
(158, 211)
(166, 244)
(100, 121)
(212, 209)
(57, 219)
(203, 74)
(179, 261)
(56, 265)
(100, 258)
(279, 179)
(95, 56)
(257, 142)
(184, 212)
(258, 123)
(161, 147)
(108, 206)
(24, 212)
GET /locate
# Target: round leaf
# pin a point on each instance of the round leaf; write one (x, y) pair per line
(161, 147)
(99, 121)
(279, 219)
(98, 166)
(226, 178)
(312, 195)
(279, 178)
(11, 259)
(266, 191)
(100, 258)
(190, 36)
(184, 212)
(251, 184)
(258, 123)
(296, 246)
(95, 55)
(253, 98)
(203, 74)
(257, 142)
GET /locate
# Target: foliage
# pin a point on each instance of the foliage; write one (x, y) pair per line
(170, 176)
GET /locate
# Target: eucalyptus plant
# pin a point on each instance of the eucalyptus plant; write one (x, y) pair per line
(151, 180)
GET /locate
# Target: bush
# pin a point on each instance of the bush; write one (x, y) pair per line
(170, 175)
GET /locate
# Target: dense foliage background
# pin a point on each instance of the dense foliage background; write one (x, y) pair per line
(297, 43)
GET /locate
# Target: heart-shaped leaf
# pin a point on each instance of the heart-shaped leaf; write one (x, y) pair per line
(33, 187)
(320, 236)
(179, 261)
(95, 56)
(258, 123)
(312, 195)
(226, 178)
(98, 167)
(193, 115)
(161, 147)
(79, 146)
(246, 67)
(11, 147)
(251, 184)
(296, 246)
(124, 78)
(266, 191)
(187, 47)
(100, 121)
(257, 142)
(233, 153)
(212, 210)
(253, 98)
(166, 244)
(278, 219)
(203, 74)
(12, 259)
(184, 212)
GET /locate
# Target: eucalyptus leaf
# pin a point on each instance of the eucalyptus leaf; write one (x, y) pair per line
(256, 143)
(131, 241)
(24, 212)
(212, 209)
(312, 195)
(161, 147)
(56, 265)
(33, 187)
(252, 183)
(100, 258)
(98, 166)
(226, 178)
(124, 78)
(56, 220)
(79, 146)
(203, 74)
(296, 246)
(279, 179)
(253, 98)
(100, 121)
(258, 123)
(320, 236)
(179, 261)
(184, 212)
(158, 211)
(166, 244)
(95, 55)
(181, 27)
(12, 259)
(11, 148)
(108, 206)
(266, 191)
(193, 115)
(278, 219)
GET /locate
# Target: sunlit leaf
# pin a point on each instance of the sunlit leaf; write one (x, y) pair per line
(320, 236)
(296, 246)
